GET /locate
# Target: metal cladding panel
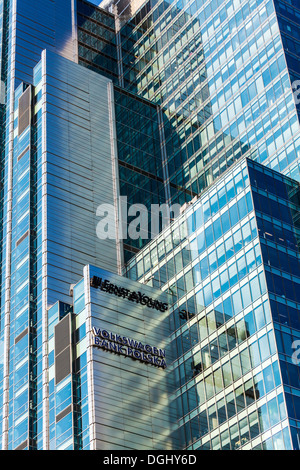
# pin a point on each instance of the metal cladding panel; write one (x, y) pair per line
(24, 120)
(78, 171)
(129, 385)
(63, 413)
(63, 349)
(62, 335)
(62, 365)
(22, 446)
(21, 335)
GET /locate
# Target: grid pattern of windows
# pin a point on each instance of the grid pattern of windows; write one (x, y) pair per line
(140, 158)
(23, 372)
(239, 102)
(4, 113)
(61, 394)
(218, 74)
(221, 313)
(288, 15)
(277, 203)
(97, 49)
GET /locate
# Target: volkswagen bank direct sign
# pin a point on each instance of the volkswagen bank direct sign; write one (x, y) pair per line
(129, 347)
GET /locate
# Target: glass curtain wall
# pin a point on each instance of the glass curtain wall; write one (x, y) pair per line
(213, 262)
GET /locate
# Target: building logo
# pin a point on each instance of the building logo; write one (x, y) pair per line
(137, 297)
(129, 347)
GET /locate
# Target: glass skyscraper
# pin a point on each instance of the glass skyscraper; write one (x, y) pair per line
(231, 264)
(192, 103)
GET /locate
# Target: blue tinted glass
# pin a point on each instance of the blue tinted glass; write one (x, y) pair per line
(224, 281)
(227, 307)
(204, 268)
(241, 267)
(196, 274)
(222, 197)
(216, 288)
(237, 302)
(209, 235)
(233, 274)
(254, 287)
(199, 217)
(212, 260)
(229, 248)
(237, 240)
(201, 242)
(225, 222)
(207, 295)
(266, 77)
(246, 297)
(214, 205)
(206, 211)
(249, 202)
(230, 190)
(234, 218)
(268, 378)
(221, 254)
(242, 208)
(217, 229)
(191, 224)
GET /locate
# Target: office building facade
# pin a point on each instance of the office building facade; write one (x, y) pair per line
(231, 263)
(118, 394)
(156, 103)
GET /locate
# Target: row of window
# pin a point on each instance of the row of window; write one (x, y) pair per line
(180, 45)
(229, 46)
(285, 312)
(108, 49)
(220, 345)
(220, 17)
(281, 286)
(187, 78)
(97, 28)
(208, 384)
(98, 59)
(232, 403)
(228, 277)
(19, 351)
(224, 115)
(239, 57)
(274, 231)
(266, 148)
(262, 127)
(218, 199)
(280, 260)
(220, 226)
(211, 204)
(239, 18)
(88, 10)
(156, 37)
(273, 207)
(245, 121)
